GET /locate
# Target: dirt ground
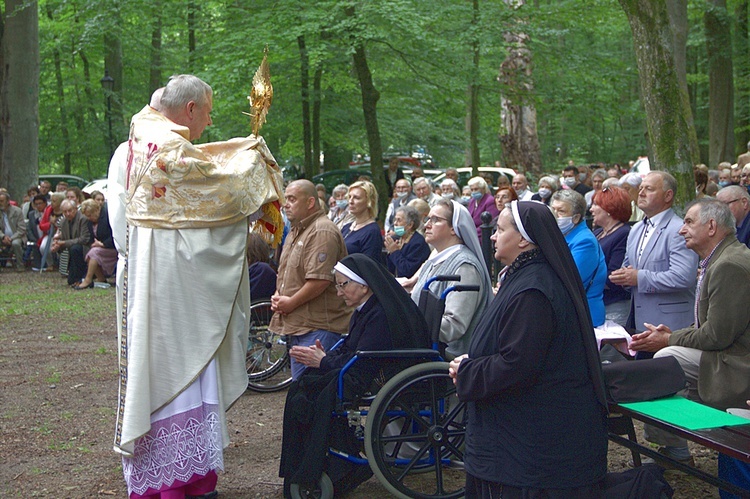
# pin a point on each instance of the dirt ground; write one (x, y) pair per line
(58, 388)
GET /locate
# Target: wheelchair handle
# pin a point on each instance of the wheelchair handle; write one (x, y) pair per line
(441, 278)
(471, 287)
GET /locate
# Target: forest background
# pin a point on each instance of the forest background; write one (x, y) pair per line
(462, 79)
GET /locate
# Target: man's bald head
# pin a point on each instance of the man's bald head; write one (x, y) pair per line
(304, 186)
(301, 200)
(156, 99)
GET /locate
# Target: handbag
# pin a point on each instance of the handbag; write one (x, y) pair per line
(641, 380)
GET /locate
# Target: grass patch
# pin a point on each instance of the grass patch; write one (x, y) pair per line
(31, 297)
(53, 378)
(101, 350)
(67, 338)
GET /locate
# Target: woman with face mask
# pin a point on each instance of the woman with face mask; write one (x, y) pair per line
(569, 208)
(339, 213)
(406, 248)
(547, 187)
(481, 201)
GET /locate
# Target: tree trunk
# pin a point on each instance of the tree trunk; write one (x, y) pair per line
(742, 68)
(155, 80)
(519, 139)
(317, 101)
(61, 99)
(191, 35)
(677, 12)
(19, 97)
(304, 79)
(668, 116)
(113, 64)
(472, 104)
(370, 97)
(721, 91)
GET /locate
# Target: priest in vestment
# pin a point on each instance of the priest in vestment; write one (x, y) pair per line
(186, 295)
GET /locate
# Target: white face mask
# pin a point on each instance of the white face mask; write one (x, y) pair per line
(401, 195)
(569, 181)
(447, 195)
(565, 224)
(544, 193)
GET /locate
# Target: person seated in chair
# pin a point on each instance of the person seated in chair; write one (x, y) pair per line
(714, 351)
(12, 229)
(385, 318)
(102, 257)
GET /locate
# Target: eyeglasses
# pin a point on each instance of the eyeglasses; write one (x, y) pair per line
(342, 285)
(732, 201)
(434, 219)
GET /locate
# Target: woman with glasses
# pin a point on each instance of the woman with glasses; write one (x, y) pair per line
(451, 231)
(611, 211)
(384, 319)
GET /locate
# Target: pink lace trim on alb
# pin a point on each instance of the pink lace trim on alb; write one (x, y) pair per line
(176, 448)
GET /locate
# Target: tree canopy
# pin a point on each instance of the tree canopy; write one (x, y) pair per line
(420, 54)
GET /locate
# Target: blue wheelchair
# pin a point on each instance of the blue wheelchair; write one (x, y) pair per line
(411, 432)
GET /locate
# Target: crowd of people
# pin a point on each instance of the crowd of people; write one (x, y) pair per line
(590, 245)
(66, 230)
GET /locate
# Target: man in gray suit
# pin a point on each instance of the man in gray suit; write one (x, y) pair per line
(658, 266)
(12, 229)
(714, 352)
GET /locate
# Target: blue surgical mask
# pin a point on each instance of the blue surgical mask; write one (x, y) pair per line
(399, 230)
(581, 177)
(477, 195)
(723, 183)
(569, 181)
(342, 203)
(565, 224)
(465, 199)
(544, 193)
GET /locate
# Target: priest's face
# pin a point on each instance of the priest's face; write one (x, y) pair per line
(506, 238)
(200, 118)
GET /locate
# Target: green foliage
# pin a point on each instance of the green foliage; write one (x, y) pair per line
(585, 78)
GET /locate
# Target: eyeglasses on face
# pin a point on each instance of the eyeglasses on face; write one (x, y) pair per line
(733, 201)
(342, 285)
(435, 219)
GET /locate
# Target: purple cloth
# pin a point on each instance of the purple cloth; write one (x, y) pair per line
(486, 203)
(105, 257)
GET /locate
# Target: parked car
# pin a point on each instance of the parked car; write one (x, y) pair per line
(464, 174)
(72, 180)
(99, 184)
(344, 176)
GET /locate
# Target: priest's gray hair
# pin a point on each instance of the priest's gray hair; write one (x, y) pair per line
(182, 89)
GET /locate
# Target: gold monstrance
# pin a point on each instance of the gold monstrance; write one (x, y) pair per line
(261, 94)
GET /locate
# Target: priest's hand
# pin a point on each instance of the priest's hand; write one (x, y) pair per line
(454, 365)
(653, 339)
(309, 356)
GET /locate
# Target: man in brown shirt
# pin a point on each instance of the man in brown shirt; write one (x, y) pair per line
(306, 306)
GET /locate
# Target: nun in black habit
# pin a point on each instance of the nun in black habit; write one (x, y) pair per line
(384, 318)
(532, 380)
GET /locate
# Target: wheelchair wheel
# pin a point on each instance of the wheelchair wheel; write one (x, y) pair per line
(267, 357)
(323, 489)
(415, 432)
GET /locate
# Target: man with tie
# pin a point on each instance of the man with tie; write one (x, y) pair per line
(658, 266)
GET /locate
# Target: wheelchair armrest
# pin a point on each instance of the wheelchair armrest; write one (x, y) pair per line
(414, 353)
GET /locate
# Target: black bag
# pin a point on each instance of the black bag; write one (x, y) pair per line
(641, 380)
